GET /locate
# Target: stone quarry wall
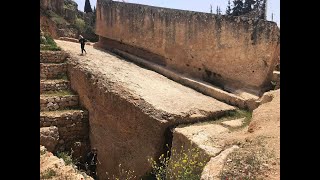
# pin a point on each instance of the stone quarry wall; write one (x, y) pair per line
(228, 51)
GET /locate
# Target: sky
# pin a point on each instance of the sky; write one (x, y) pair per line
(273, 6)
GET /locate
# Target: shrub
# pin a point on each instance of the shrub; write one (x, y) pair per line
(187, 165)
(47, 174)
(49, 44)
(80, 25)
(66, 157)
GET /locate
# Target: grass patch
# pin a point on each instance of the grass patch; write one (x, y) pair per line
(230, 115)
(49, 44)
(42, 151)
(64, 77)
(58, 93)
(48, 174)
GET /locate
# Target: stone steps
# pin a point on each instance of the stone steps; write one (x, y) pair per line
(53, 102)
(72, 124)
(52, 70)
(63, 117)
(54, 85)
(53, 56)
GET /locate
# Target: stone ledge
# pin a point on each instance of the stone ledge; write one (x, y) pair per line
(54, 102)
(53, 56)
(54, 85)
(247, 102)
(52, 71)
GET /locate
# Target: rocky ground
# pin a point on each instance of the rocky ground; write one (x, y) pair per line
(52, 167)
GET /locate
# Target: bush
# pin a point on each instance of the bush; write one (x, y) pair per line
(48, 174)
(187, 165)
(49, 44)
(66, 157)
(80, 25)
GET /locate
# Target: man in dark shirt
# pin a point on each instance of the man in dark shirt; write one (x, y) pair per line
(91, 162)
(82, 42)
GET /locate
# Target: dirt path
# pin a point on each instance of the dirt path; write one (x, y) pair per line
(161, 92)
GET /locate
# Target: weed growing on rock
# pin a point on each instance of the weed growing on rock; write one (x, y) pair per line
(187, 164)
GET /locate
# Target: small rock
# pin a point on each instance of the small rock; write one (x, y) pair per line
(229, 160)
(266, 165)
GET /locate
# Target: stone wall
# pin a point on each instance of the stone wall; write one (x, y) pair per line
(72, 127)
(53, 71)
(227, 51)
(53, 56)
(54, 86)
(52, 103)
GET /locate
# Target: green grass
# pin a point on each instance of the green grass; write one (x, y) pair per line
(230, 115)
(48, 174)
(58, 93)
(49, 45)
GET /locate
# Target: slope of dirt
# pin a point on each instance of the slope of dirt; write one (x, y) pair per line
(259, 153)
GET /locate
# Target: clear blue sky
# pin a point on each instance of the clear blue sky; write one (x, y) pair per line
(196, 5)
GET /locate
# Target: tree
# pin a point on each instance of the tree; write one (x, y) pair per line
(210, 8)
(259, 9)
(248, 6)
(87, 7)
(264, 9)
(228, 10)
(237, 9)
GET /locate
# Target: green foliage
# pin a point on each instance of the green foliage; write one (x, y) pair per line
(228, 10)
(237, 9)
(49, 44)
(186, 165)
(87, 7)
(48, 174)
(123, 174)
(66, 157)
(80, 25)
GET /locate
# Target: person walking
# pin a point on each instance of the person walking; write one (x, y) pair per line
(82, 42)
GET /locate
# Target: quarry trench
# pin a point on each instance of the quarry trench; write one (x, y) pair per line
(132, 110)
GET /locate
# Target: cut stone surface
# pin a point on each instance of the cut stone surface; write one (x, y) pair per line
(234, 123)
(131, 107)
(201, 135)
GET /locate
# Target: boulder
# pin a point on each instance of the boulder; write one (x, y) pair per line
(49, 137)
